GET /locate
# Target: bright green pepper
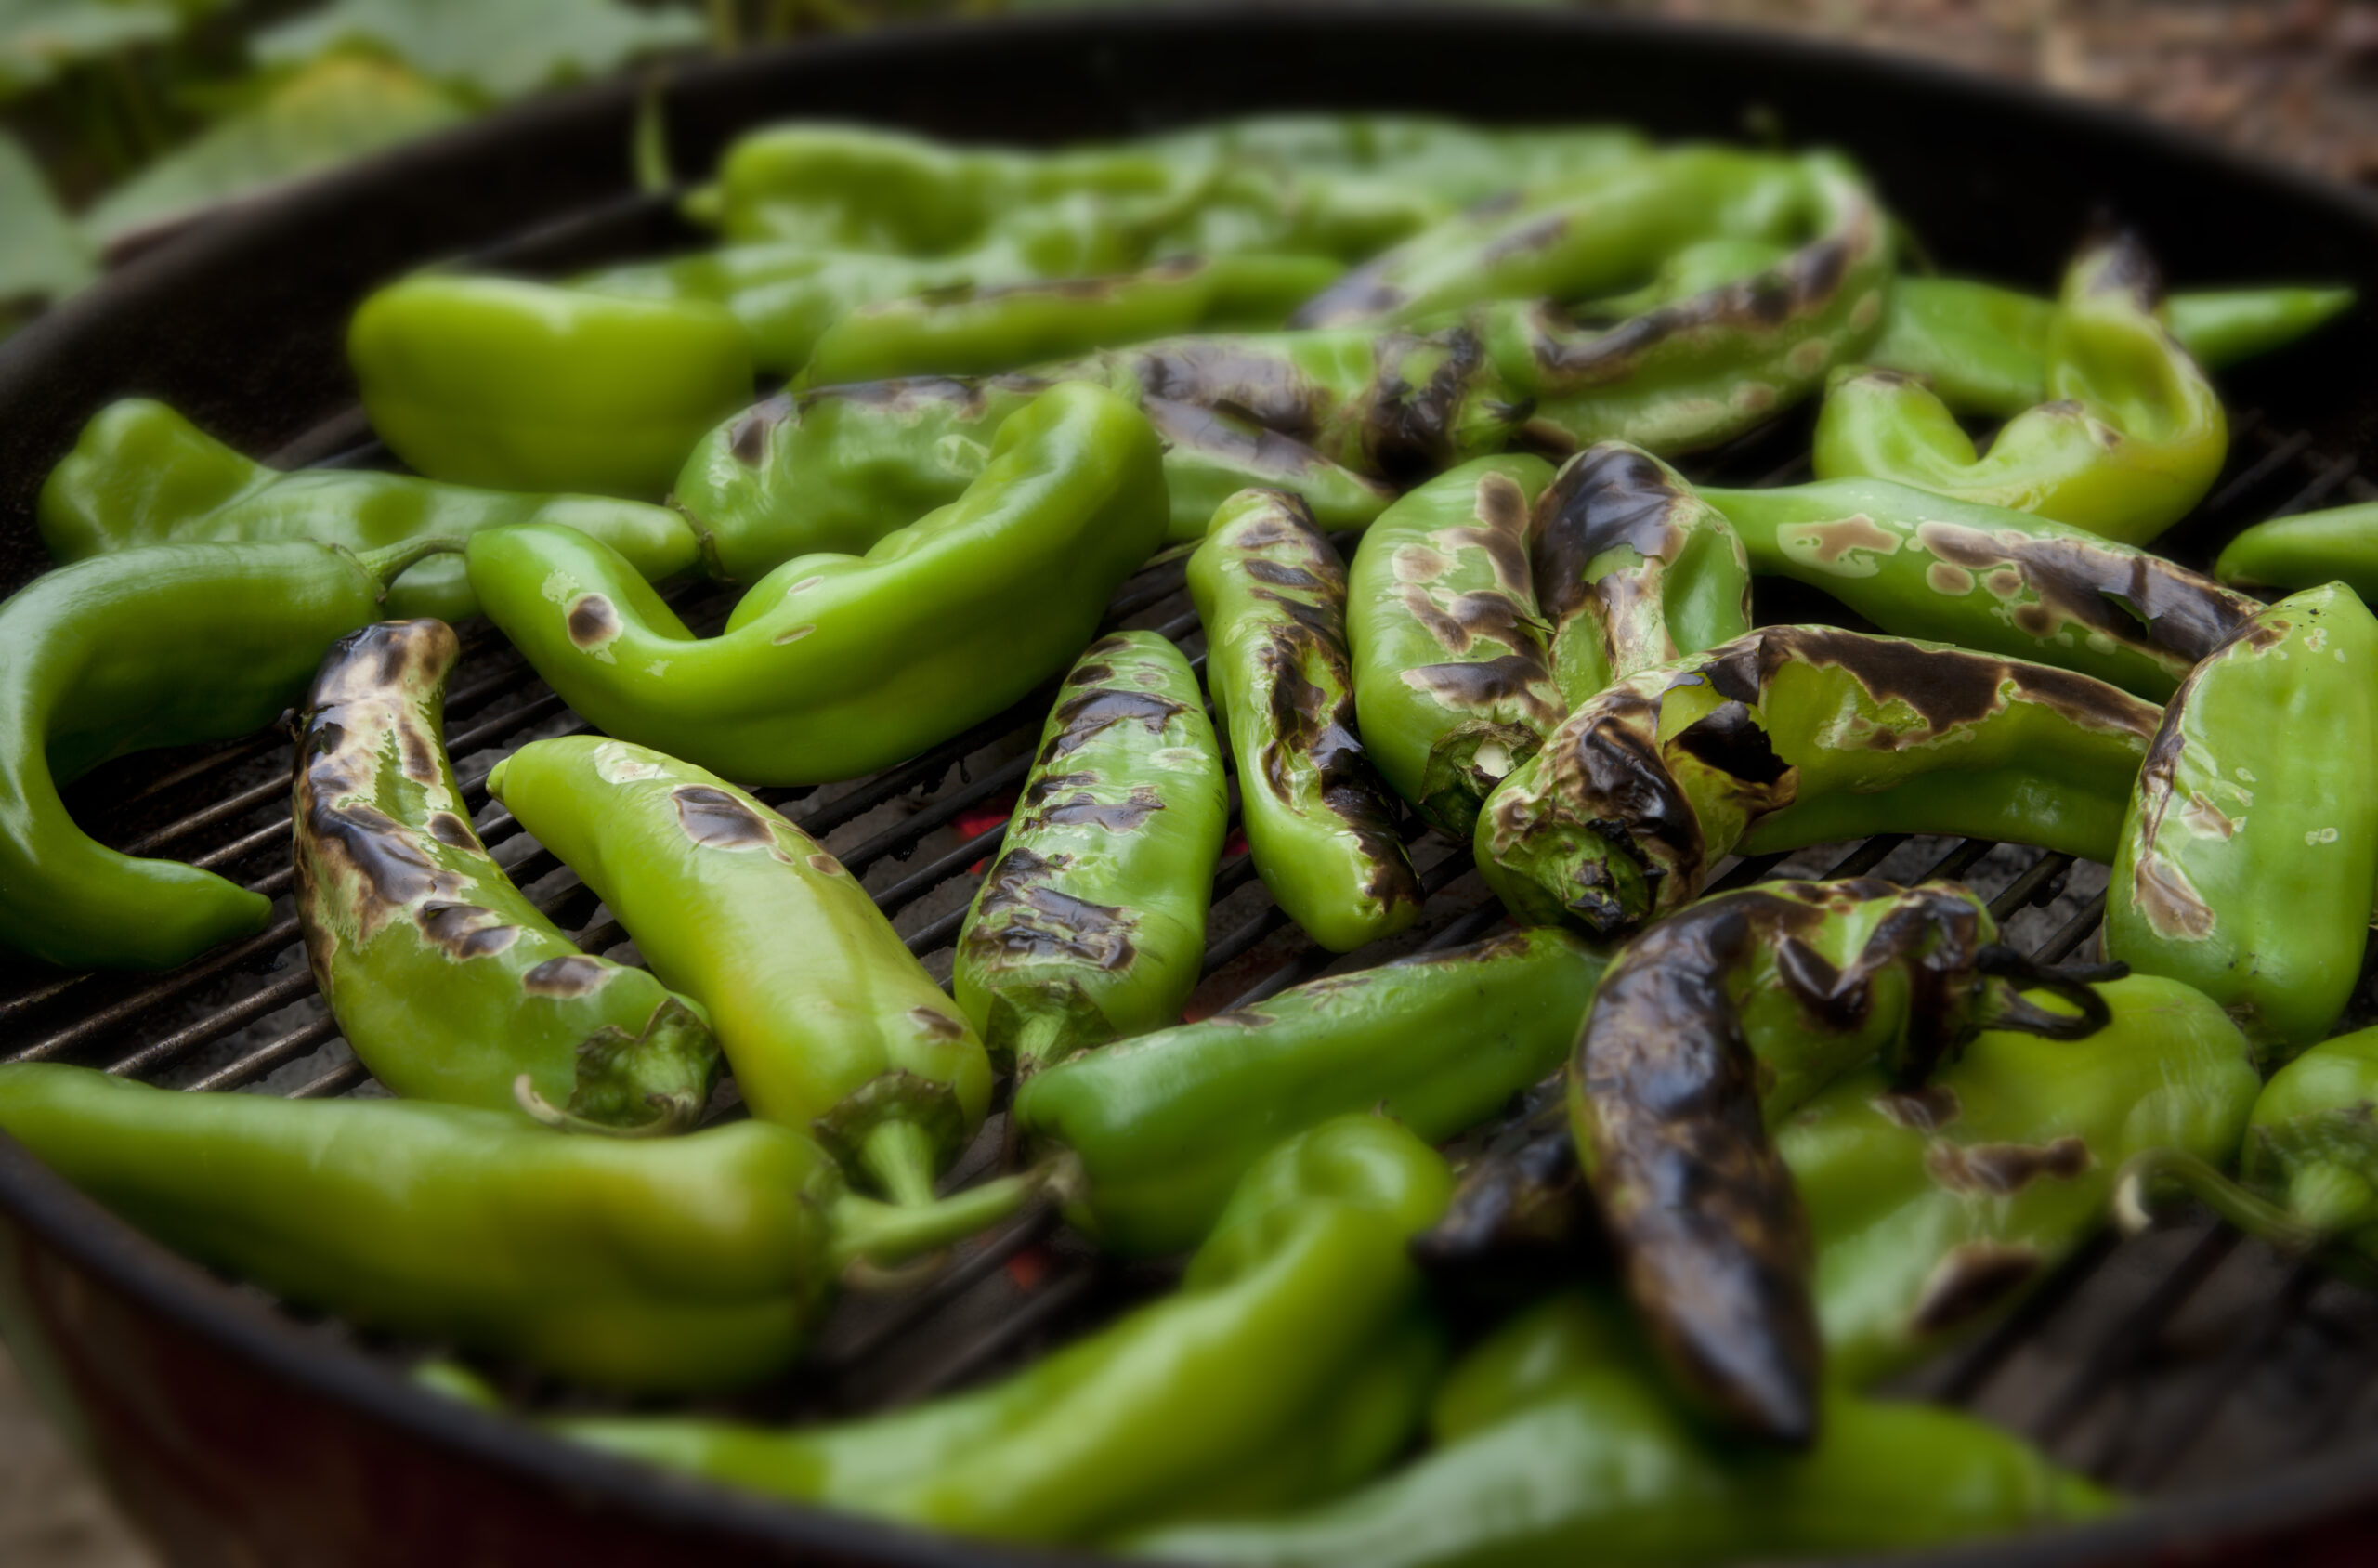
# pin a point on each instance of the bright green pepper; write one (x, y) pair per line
(1271, 595)
(1553, 1445)
(1090, 925)
(2245, 867)
(140, 474)
(162, 647)
(1800, 735)
(834, 666)
(1453, 687)
(667, 1263)
(520, 386)
(448, 983)
(1166, 1124)
(1920, 565)
(2132, 438)
(2306, 550)
(1303, 1285)
(830, 1024)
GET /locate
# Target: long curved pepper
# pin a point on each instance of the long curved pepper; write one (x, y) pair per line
(2133, 439)
(2306, 550)
(830, 1024)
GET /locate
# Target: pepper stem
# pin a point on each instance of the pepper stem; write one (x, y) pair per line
(390, 562)
(2144, 1171)
(1037, 1042)
(900, 1156)
(873, 1234)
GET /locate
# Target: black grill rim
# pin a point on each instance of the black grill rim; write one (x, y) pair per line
(46, 392)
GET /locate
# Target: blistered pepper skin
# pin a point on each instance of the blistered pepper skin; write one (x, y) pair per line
(1271, 595)
(2245, 866)
(1090, 923)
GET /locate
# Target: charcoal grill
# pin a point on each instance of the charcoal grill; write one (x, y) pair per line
(2236, 1391)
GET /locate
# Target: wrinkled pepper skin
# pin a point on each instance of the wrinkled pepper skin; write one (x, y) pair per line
(448, 983)
(668, 1265)
(2306, 550)
(834, 666)
(1283, 1317)
(1800, 735)
(167, 645)
(1553, 1443)
(140, 474)
(2248, 854)
(1090, 924)
(828, 1021)
(2132, 438)
(1919, 564)
(530, 387)
(1633, 569)
(1166, 1124)
(1271, 595)
(1453, 687)
(1704, 1029)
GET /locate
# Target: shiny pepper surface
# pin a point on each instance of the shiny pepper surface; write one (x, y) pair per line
(1272, 597)
(1800, 735)
(834, 666)
(2248, 856)
(2306, 550)
(1090, 924)
(1164, 1125)
(830, 1024)
(1554, 1445)
(1282, 1329)
(662, 1264)
(140, 474)
(446, 980)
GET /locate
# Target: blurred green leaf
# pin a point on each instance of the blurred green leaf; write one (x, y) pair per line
(42, 254)
(339, 107)
(38, 37)
(500, 48)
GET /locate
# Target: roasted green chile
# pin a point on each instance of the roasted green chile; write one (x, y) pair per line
(446, 980)
(834, 665)
(830, 1024)
(2245, 866)
(2306, 550)
(1166, 1124)
(1799, 735)
(1271, 595)
(1090, 924)
(1293, 1361)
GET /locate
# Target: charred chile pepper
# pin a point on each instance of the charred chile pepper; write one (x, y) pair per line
(1799, 735)
(1090, 925)
(448, 983)
(140, 474)
(833, 666)
(2306, 550)
(2132, 438)
(830, 1024)
(1453, 687)
(1708, 1026)
(1301, 1309)
(520, 386)
(662, 1264)
(162, 647)
(1554, 1445)
(1271, 595)
(1165, 1124)
(1919, 564)
(2245, 866)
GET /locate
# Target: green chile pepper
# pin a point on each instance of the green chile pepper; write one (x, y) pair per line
(1272, 597)
(521, 386)
(448, 983)
(2306, 550)
(662, 1264)
(1799, 735)
(1553, 1445)
(830, 1024)
(1164, 1125)
(834, 666)
(1090, 925)
(2245, 867)
(140, 474)
(1303, 1285)
(162, 647)
(2133, 438)
(1920, 565)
